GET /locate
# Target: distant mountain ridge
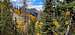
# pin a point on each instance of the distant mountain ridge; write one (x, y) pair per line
(32, 11)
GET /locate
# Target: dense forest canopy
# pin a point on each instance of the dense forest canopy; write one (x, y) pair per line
(57, 18)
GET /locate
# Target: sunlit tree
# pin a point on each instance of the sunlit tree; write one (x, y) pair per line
(6, 23)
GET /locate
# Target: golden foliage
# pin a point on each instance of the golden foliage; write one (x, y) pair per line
(38, 33)
(67, 13)
(20, 24)
(55, 33)
(38, 26)
(56, 23)
(66, 22)
(17, 11)
(33, 18)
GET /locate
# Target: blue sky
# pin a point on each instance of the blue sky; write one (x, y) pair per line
(38, 4)
(31, 3)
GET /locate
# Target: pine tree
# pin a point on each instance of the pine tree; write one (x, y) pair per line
(57, 17)
(6, 24)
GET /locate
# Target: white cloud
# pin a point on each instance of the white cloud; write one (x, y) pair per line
(17, 1)
(38, 7)
(35, 5)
